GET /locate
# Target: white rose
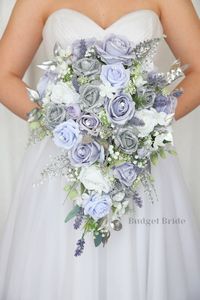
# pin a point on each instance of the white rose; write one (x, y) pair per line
(161, 138)
(93, 179)
(61, 93)
(148, 117)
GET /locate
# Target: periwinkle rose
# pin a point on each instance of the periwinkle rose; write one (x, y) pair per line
(126, 139)
(90, 96)
(66, 134)
(120, 109)
(55, 114)
(73, 111)
(89, 123)
(86, 154)
(115, 48)
(147, 96)
(96, 205)
(126, 173)
(86, 66)
(115, 75)
(165, 104)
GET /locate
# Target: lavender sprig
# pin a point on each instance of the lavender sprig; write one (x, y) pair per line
(80, 246)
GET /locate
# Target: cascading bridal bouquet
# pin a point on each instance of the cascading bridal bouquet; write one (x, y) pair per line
(108, 109)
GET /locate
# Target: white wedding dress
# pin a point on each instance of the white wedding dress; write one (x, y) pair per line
(142, 262)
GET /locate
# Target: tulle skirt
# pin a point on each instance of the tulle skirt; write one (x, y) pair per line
(155, 256)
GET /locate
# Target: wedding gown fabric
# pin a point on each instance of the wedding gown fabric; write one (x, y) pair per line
(143, 262)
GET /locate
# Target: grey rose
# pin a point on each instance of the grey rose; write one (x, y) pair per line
(86, 154)
(115, 48)
(126, 139)
(126, 173)
(147, 96)
(120, 109)
(86, 67)
(55, 114)
(90, 96)
(89, 123)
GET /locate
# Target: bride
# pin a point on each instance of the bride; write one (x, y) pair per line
(145, 260)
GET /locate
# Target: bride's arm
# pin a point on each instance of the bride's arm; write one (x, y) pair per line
(18, 45)
(182, 27)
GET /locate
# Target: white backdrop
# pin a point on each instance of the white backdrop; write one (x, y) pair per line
(13, 137)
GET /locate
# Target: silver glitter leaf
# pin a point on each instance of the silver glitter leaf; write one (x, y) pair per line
(57, 48)
(33, 95)
(147, 49)
(176, 71)
(46, 65)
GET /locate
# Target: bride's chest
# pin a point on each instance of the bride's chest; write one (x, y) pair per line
(66, 25)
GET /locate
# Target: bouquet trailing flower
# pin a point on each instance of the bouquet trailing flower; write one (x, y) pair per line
(108, 109)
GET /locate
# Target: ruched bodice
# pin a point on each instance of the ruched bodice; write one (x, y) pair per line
(66, 25)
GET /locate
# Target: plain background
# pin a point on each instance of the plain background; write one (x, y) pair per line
(14, 134)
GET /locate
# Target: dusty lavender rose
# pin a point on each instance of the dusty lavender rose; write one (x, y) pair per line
(126, 173)
(115, 48)
(89, 123)
(120, 109)
(73, 111)
(86, 154)
(165, 104)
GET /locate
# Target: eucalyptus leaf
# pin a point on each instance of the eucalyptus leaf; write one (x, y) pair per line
(98, 239)
(72, 213)
(162, 153)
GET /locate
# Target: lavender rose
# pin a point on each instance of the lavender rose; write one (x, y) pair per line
(89, 124)
(126, 173)
(86, 154)
(115, 75)
(66, 134)
(120, 109)
(73, 111)
(97, 206)
(126, 139)
(115, 48)
(86, 67)
(165, 104)
(90, 96)
(55, 114)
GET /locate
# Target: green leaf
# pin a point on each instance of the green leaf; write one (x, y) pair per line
(154, 158)
(72, 213)
(172, 151)
(34, 125)
(72, 191)
(98, 239)
(162, 153)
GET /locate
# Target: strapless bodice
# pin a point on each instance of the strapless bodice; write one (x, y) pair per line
(66, 25)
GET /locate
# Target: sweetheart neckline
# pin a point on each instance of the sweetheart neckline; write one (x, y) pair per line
(135, 12)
